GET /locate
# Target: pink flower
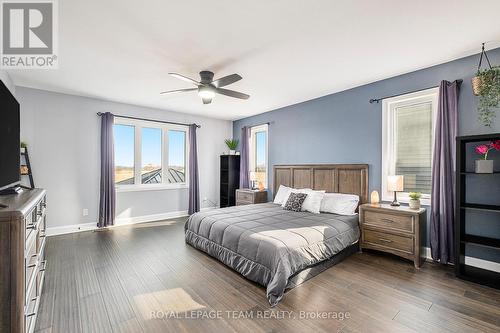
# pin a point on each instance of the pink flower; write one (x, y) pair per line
(495, 145)
(482, 149)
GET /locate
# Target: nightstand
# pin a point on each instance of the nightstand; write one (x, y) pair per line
(247, 196)
(396, 230)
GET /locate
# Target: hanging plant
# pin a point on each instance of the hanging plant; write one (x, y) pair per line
(486, 85)
(489, 95)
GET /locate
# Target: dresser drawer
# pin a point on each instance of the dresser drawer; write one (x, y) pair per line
(31, 310)
(390, 221)
(30, 266)
(389, 241)
(244, 196)
(242, 203)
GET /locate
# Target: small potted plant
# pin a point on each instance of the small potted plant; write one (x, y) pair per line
(23, 146)
(484, 165)
(415, 200)
(232, 144)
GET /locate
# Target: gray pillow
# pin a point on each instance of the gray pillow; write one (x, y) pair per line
(295, 201)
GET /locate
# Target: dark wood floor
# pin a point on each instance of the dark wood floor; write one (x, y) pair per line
(122, 279)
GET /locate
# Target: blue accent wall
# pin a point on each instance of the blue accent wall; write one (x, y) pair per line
(345, 128)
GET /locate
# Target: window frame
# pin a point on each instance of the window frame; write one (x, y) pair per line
(388, 136)
(138, 126)
(252, 145)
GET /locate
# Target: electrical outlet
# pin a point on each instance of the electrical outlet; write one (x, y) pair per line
(85, 212)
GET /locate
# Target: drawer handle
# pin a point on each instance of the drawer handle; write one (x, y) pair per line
(388, 220)
(385, 240)
(44, 263)
(31, 265)
(30, 226)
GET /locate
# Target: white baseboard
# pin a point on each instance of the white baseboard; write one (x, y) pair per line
(67, 229)
(471, 261)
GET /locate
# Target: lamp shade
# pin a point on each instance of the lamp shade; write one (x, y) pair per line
(253, 175)
(395, 183)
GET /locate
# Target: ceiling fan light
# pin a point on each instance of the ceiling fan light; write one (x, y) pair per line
(206, 92)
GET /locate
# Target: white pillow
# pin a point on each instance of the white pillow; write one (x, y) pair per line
(312, 203)
(339, 203)
(282, 195)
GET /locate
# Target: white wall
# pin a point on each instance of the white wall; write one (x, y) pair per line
(63, 132)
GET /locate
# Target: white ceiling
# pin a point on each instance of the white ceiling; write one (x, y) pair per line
(287, 51)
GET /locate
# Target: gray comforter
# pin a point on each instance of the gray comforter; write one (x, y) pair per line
(267, 244)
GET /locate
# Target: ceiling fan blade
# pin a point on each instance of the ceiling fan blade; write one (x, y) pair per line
(185, 78)
(178, 91)
(207, 100)
(232, 93)
(226, 80)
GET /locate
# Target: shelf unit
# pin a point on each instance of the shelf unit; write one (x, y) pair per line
(462, 238)
(229, 179)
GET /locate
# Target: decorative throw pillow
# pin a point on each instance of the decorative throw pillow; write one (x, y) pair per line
(295, 201)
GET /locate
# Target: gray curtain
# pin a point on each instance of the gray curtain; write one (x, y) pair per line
(244, 158)
(107, 198)
(194, 183)
(443, 174)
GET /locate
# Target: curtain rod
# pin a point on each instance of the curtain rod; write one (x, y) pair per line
(157, 121)
(377, 100)
(268, 123)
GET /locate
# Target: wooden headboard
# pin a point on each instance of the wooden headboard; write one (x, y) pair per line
(341, 178)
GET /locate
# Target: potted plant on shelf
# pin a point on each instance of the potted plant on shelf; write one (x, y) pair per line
(23, 146)
(484, 165)
(415, 200)
(232, 144)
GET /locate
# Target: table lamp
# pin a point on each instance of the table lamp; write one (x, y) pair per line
(253, 178)
(395, 184)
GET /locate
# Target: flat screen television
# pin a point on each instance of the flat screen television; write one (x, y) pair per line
(9, 139)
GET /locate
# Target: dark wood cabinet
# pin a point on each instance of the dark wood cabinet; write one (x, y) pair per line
(229, 179)
(477, 215)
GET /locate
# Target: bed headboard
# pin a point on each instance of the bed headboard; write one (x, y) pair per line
(341, 178)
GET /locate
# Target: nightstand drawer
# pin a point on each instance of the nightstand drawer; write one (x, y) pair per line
(387, 240)
(390, 221)
(244, 196)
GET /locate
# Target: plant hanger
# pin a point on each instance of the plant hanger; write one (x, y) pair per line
(483, 52)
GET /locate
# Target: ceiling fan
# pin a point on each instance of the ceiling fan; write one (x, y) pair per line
(208, 87)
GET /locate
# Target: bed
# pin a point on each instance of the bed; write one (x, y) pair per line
(277, 248)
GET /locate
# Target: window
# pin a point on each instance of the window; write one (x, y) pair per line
(149, 155)
(259, 153)
(176, 156)
(408, 129)
(124, 153)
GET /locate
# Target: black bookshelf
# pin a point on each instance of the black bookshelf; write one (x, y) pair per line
(464, 176)
(229, 179)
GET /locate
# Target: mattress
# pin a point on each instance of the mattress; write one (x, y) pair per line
(270, 245)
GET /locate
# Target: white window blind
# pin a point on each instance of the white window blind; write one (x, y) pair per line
(414, 146)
